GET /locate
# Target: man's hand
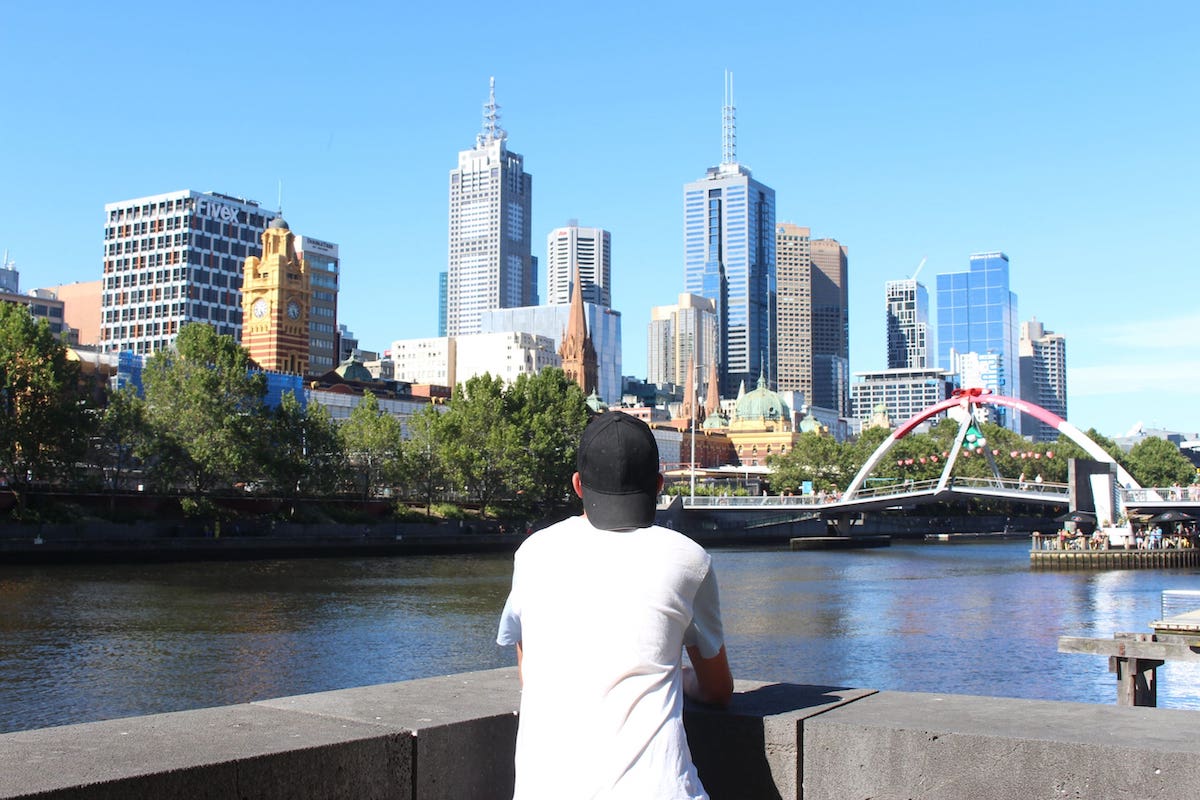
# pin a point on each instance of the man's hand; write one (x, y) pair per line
(708, 679)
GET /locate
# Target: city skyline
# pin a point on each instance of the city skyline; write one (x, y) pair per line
(899, 136)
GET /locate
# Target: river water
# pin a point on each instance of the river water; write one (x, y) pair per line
(89, 642)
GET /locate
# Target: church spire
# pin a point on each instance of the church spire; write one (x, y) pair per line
(577, 352)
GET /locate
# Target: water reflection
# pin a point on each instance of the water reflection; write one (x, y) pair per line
(92, 642)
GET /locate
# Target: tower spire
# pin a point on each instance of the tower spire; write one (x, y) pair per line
(728, 124)
(491, 118)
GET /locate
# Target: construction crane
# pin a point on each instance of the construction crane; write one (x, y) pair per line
(919, 266)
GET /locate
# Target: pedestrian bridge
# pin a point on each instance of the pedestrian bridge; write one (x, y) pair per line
(876, 498)
(865, 493)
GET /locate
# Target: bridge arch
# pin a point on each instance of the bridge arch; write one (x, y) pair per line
(969, 399)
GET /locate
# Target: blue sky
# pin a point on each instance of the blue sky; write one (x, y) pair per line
(1063, 134)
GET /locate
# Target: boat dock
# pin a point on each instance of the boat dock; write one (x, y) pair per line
(1182, 558)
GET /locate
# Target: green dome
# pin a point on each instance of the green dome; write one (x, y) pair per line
(715, 421)
(595, 403)
(761, 405)
(354, 371)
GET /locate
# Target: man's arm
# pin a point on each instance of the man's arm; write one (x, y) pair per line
(709, 680)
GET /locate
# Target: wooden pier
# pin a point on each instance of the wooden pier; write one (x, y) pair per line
(1181, 558)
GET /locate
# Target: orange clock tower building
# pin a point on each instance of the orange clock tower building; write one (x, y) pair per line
(276, 293)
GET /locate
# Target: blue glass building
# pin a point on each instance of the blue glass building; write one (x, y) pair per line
(729, 258)
(977, 313)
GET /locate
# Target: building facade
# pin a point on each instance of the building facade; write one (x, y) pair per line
(793, 309)
(1043, 367)
(171, 259)
(276, 294)
(324, 271)
(505, 354)
(680, 336)
(729, 258)
(588, 250)
(907, 325)
(491, 206)
(977, 313)
(830, 326)
(900, 392)
(603, 325)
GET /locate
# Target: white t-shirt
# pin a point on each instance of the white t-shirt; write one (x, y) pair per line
(602, 617)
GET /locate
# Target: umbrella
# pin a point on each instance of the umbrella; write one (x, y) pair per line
(1077, 517)
(1172, 516)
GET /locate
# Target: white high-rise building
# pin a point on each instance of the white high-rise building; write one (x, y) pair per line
(491, 263)
(451, 360)
(679, 334)
(587, 250)
(175, 258)
(1043, 364)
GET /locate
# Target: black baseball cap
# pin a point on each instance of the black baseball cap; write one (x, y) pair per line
(618, 467)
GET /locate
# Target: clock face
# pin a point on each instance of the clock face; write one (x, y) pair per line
(259, 309)
(293, 309)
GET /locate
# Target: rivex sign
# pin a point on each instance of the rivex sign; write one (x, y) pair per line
(214, 210)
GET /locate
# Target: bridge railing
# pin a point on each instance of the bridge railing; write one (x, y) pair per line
(1163, 494)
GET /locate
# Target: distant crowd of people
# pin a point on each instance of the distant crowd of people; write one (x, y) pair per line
(1149, 538)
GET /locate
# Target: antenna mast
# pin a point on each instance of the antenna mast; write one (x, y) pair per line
(728, 124)
(491, 118)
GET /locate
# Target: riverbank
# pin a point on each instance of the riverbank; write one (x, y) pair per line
(170, 540)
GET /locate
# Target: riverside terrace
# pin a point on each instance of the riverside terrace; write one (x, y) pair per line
(454, 736)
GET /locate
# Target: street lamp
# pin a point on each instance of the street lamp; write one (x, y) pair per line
(695, 391)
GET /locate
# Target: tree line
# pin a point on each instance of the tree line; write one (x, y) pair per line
(202, 427)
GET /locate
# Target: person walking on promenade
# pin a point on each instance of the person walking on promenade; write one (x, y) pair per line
(601, 609)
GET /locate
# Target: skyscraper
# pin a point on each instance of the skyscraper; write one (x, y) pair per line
(324, 270)
(572, 247)
(977, 313)
(491, 263)
(1043, 367)
(793, 309)
(729, 257)
(830, 326)
(680, 336)
(907, 324)
(175, 258)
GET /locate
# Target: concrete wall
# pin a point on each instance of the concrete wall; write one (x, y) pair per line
(453, 737)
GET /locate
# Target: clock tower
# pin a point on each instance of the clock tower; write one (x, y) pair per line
(275, 303)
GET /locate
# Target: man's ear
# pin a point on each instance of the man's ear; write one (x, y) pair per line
(577, 484)
(660, 482)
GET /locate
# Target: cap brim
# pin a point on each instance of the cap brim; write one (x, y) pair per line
(617, 512)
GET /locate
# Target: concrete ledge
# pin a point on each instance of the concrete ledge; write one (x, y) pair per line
(752, 750)
(907, 745)
(453, 737)
(235, 751)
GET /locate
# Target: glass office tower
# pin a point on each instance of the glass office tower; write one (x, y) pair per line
(977, 313)
(729, 257)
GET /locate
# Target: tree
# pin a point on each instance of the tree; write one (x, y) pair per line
(204, 407)
(482, 448)
(1156, 462)
(43, 421)
(549, 413)
(814, 457)
(303, 452)
(371, 438)
(120, 435)
(424, 470)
